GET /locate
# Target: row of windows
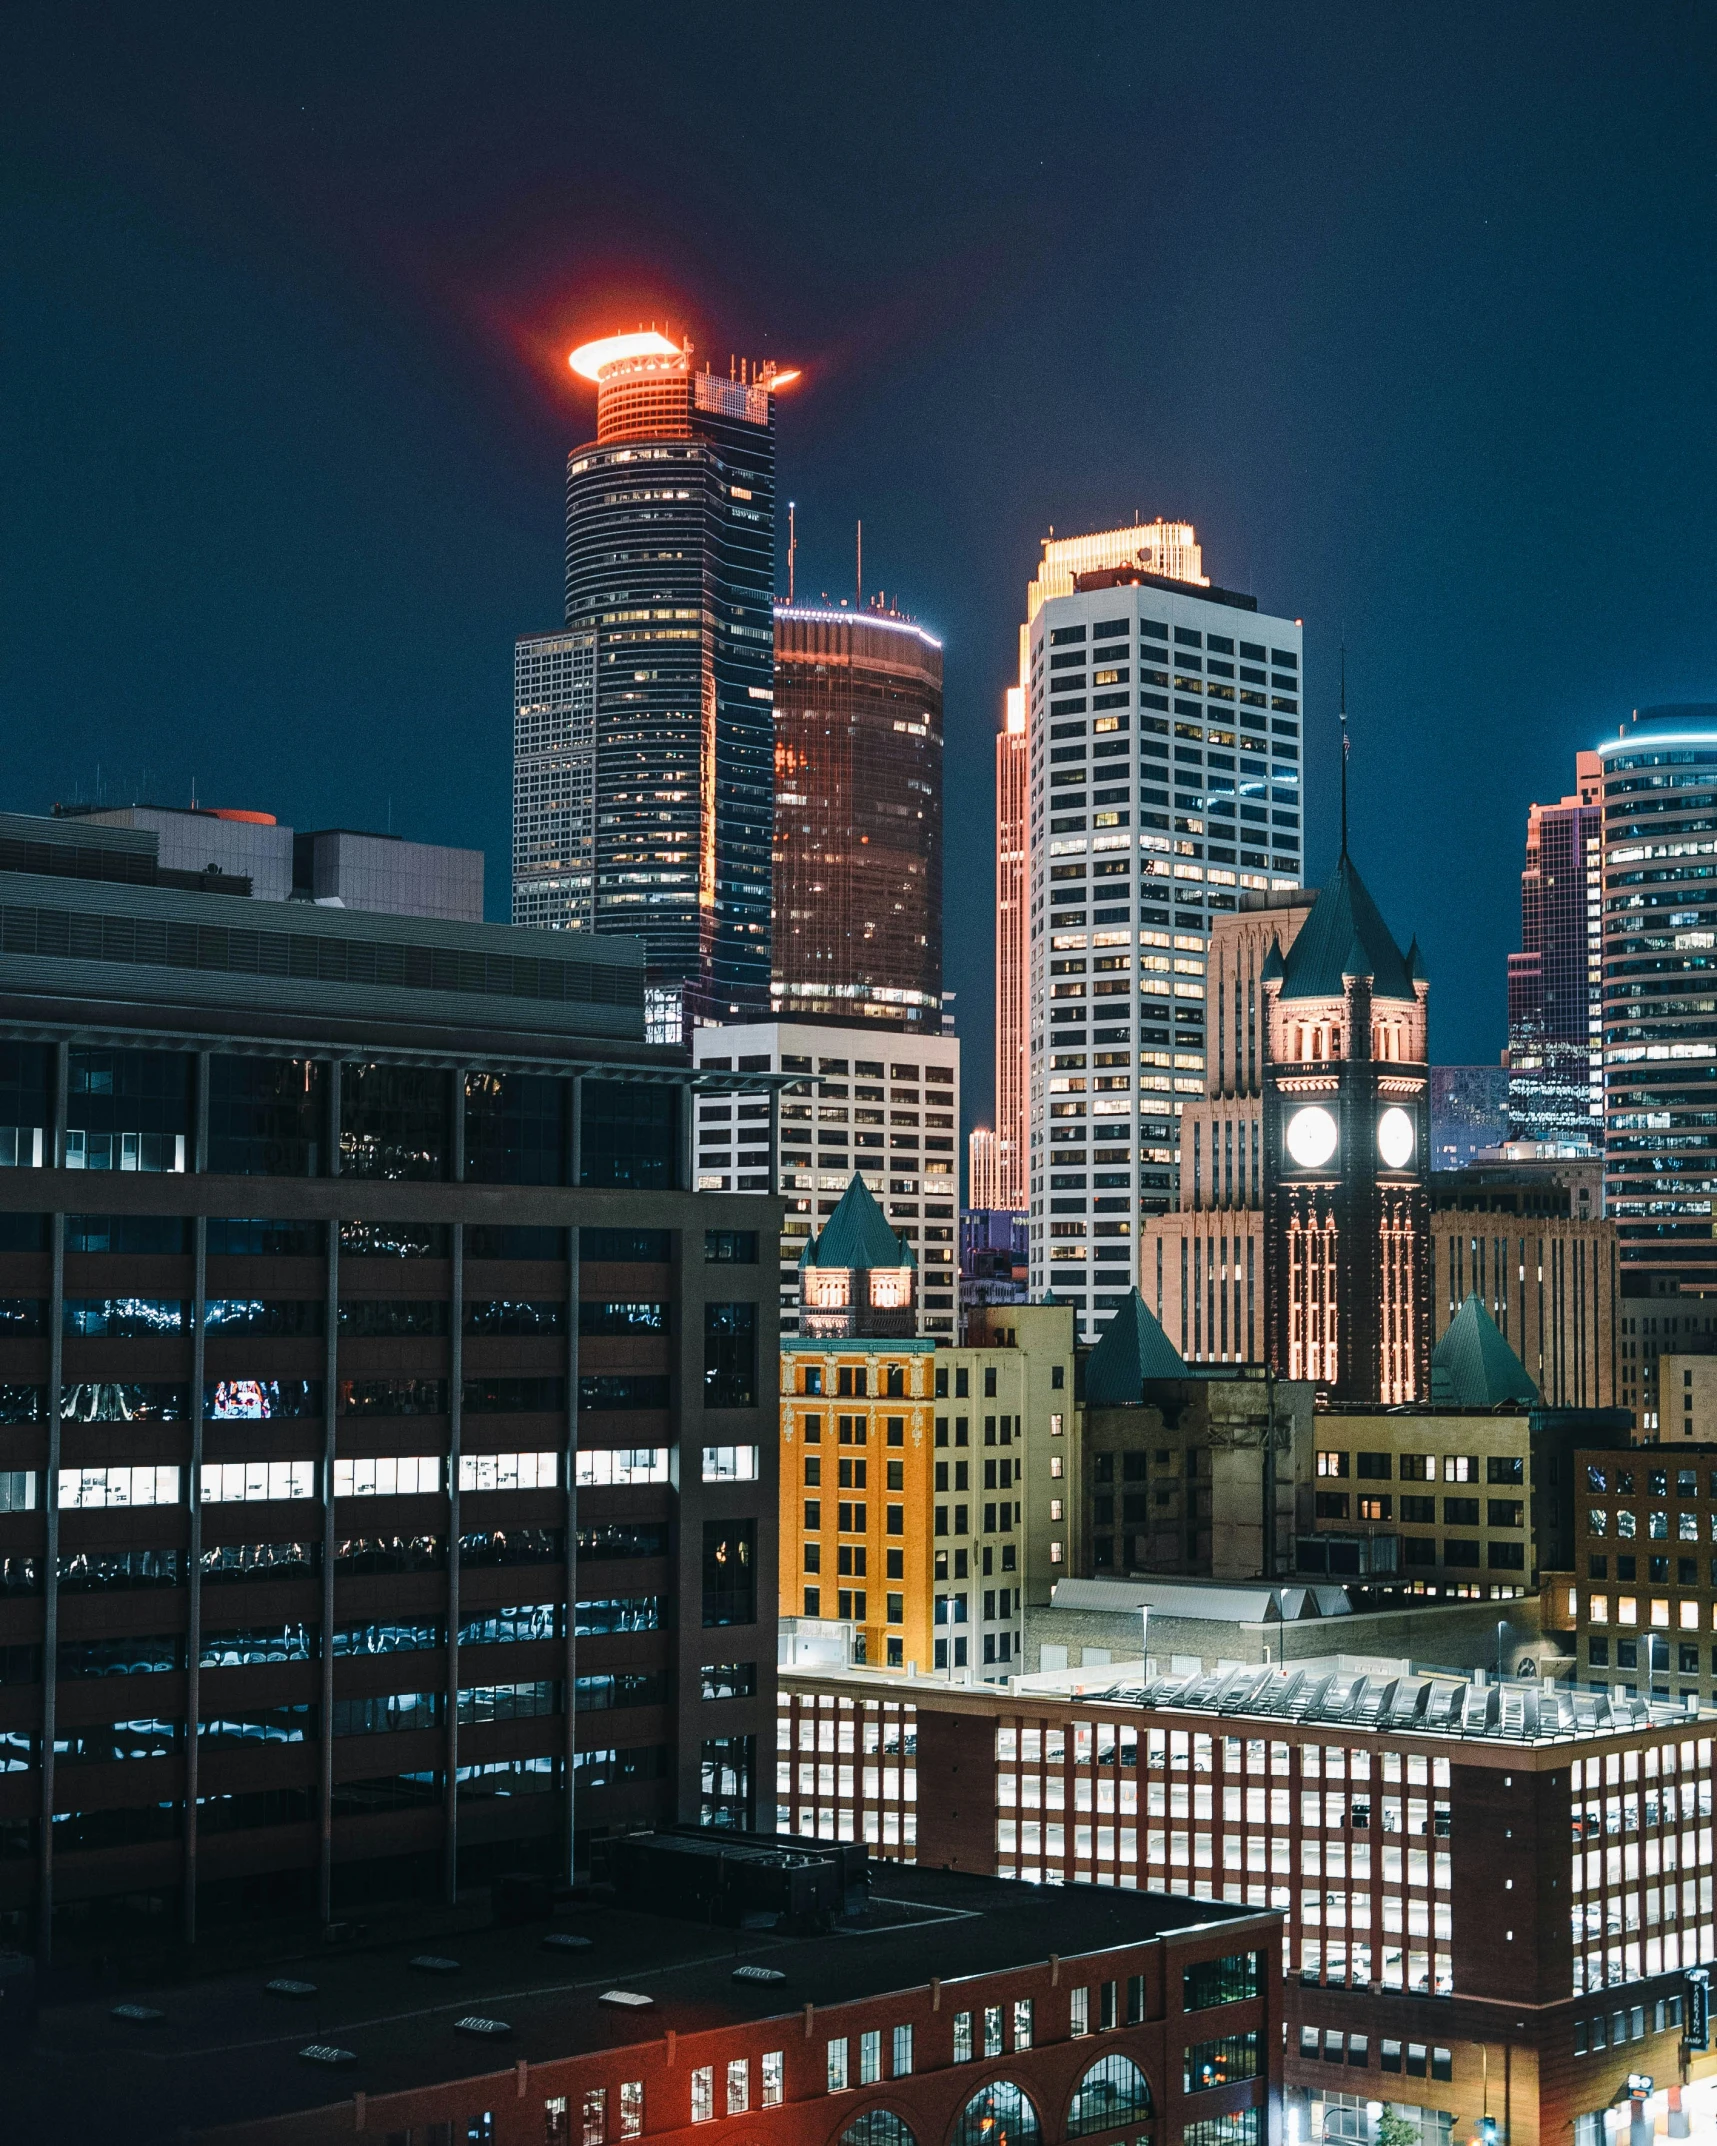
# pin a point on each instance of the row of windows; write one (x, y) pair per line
(293, 1318)
(1417, 2059)
(244, 1237)
(133, 1110)
(1194, 1751)
(1656, 1526)
(1424, 1467)
(1422, 1512)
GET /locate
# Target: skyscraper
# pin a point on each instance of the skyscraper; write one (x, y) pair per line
(643, 731)
(858, 819)
(1165, 548)
(1660, 955)
(983, 1168)
(1126, 873)
(1555, 1052)
(1013, 1055)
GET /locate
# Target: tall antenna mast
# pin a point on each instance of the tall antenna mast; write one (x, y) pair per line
(858, 601)
(792, 547)
(1344, 752)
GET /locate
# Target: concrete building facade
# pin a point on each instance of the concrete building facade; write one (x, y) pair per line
(881, 1105)
(1128, 872)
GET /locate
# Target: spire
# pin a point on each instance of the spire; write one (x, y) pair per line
(1344, 750)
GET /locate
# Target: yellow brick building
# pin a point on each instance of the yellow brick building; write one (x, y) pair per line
(857, 1503)
(904, 1509)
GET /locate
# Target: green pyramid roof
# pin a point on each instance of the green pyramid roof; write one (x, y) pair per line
(1474, 1367)
(1134, 1348)
(1345, 935)
(857, 1235)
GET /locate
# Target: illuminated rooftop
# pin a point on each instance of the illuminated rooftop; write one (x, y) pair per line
(594, 361)
(852, 615)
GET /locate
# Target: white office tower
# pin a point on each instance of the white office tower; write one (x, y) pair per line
(1165, 727)
(883, 1102)
(554, 780)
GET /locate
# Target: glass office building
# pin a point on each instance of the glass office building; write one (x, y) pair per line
(1555, 1010)
(1660, 989)
(858, 826)
(644, 742)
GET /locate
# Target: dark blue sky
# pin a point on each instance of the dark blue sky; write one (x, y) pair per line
(1413, 312)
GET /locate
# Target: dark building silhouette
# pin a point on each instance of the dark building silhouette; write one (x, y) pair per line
(387, 1458)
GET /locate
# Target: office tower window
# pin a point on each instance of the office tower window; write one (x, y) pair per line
(128, 1110)
(630, 1135)
(394, 1121)
(729, 1572)
(268, 1117)
(515, 1128)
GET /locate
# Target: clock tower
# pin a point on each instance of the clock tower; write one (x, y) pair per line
(1347, 1230)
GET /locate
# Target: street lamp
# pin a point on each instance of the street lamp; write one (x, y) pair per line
(1501, 1628)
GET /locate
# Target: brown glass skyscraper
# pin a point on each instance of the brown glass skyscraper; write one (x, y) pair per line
(858, 818)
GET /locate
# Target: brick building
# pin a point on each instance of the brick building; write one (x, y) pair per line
(956, 2009)
(1644, 1567)
(1527, 1235)
(1395, 1822)
(1475, 1498)
(893, 1452)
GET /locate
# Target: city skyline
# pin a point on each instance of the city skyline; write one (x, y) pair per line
(1366, 460)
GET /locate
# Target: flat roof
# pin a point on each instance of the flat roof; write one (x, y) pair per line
(1421, 1704)
(227, 2053)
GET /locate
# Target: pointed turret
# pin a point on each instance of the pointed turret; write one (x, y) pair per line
(858, 1277)
(1474, 1367)
(1134, 1348)
(1345, 935)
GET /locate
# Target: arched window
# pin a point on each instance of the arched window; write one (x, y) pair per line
(1112, 2093)
(878, 2127)
(998, 2115)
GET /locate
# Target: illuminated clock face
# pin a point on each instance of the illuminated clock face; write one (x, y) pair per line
(1311, 1137)
(1395, 1139)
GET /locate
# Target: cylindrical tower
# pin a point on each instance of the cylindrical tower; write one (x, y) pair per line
(670, 568)
(858, 823)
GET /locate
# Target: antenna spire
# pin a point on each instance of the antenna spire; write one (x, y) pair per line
(1344, 752)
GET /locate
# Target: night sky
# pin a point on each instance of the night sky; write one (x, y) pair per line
(1412, 311)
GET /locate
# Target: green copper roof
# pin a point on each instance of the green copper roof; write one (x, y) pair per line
(857, 1235)
(1133, 1348)
(1474, 1367)
(1345, 935)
